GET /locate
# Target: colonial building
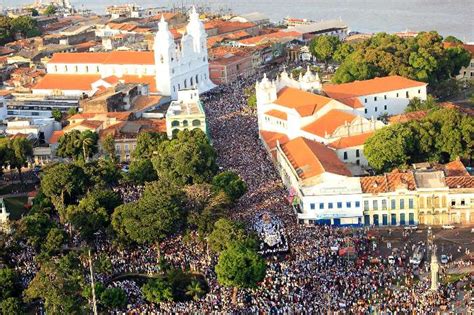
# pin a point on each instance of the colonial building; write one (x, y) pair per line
(167, 69)
(186, 113)
(388, 95)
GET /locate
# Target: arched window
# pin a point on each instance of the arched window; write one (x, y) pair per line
(196, 123)
(185, 83)
(175, 123)
(191, 81)
(185, 123)
(197, 79)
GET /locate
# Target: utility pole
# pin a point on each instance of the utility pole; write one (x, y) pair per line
(94, 302)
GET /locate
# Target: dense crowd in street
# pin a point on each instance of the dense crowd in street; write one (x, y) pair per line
(310, 277)
(129, 193)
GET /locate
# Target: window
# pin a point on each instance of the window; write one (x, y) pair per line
(375, 108)
(185, 83)
(357, 204)
(357, 162)
(453, 202)
(196, 123)
(375, 98)
(312, 206)
(330, 205)
(365, 101)
(185, 123)
(345, 155)
(375, 205)
(385, 107)
(384, 204)
(348, 204)
(385, 97)
(393, 204)
(357, 153)
(321, 206)
(339, 205)
(402, 204)
(408, 96)
(365, 110)
(175, 123)
(366, 205)
(419, 91)
(410, 203)
(126, 148)
(397, 94)
(463, 202)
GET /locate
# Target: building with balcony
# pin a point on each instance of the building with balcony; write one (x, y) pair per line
(186, 113)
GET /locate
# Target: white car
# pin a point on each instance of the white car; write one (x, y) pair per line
(444, 259)
(448, 227)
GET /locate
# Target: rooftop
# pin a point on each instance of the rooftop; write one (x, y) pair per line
(388, 182)
(329, 122)
(113, 57)
(369, 87)
(305, 103)
(309, 158)
(352, 141)
(318, 26)
(277, 114)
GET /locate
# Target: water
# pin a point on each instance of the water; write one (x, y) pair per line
(448, 17)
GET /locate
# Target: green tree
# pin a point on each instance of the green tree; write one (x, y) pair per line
(187, 159)
(50, 10)
(342, 52)
(88, 217)
(225, 232)
(11, 306)
(231, 184)
(141, 171)
(101, 174)
(63, 184)
(103, 264)
(157, 290)
(8, 283)
(35, 228)
(58, 285)
(108, 145)
(158, 214)
(56, 114)
(6, 34)
(20, 150)
(147, 144)
(203, 214)
(417, 104)
(323, 47)
(240, 266)
(26, 26)
(195, 290)
(78, 145)
(72, 111)
(452, 39)
(113, 298)
(55, 239)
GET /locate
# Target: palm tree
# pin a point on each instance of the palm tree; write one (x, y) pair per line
(87, 144)
(194, 290)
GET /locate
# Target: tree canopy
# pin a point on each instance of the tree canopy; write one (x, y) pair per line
(78, 145)
(231, 184)
(323, 47)
(423, 58)
(24, 25)
(442, 134)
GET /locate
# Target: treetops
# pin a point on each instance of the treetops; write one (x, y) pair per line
(424, 57)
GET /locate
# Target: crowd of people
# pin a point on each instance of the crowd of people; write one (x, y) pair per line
(129, 193)
(309, 277)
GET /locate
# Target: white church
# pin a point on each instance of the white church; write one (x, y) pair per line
(170, 67)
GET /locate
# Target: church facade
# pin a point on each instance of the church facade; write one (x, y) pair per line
(167, 69)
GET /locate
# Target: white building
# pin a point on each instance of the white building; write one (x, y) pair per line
(186, 113)
(3, 104)
(167, 69)
(39, 128)
(388, 95)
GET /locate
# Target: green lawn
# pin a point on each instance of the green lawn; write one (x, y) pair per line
(15, 206)
(17, 187)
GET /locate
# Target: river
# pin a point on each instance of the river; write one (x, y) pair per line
(448, 17)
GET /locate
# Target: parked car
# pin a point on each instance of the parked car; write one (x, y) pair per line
(417, 256)
(444, 259)
(448, 227)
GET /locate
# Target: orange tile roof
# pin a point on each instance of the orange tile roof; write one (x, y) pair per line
(388, 182)
(271, 138)
(55, 136)
(368, 87)
(305, 103)
(144, 101)
(454, 182)
(352, 141)
(403, 118)
(80, 82)
(353, 102)
(310, 158)
(112, 79)
(113, 57)
(329, 122)
(88, 123)
(224, 27)
(98, 116)
(272, 37)
(144, 79)
(277, 114)
(5, 92)
(455, 168)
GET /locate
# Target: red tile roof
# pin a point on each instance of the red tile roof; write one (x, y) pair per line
(277, 114)
(352, 141)
(305, 103)
(368, 87)
(403, 118)
(329, 122)
(101, 116)
(55, 136)
(271, 138)
(388, 182)
(309, 158)
(272, 37)
(454, 182)
(455, 168)
(113, 57)
(144, 79)
(80, 82)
